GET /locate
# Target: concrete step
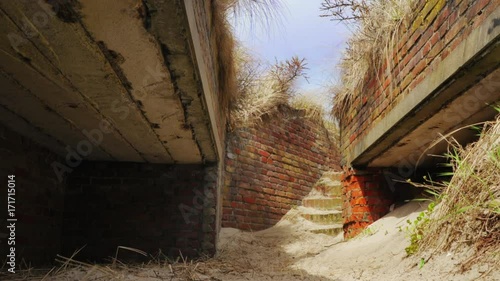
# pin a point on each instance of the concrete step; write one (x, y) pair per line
(332, 230)
(329, 184)
(323, 217)
(334, 176)
(323, 203)
(333, 191)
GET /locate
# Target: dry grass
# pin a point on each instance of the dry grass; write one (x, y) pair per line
(158, 267)
(264, 11)
(312, 110)
(469, 211)
(315, 112)
(371, 45)
(224, 52)
(262, 88)
(258, 95)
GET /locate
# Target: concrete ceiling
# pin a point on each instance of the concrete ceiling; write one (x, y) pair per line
(117, 74)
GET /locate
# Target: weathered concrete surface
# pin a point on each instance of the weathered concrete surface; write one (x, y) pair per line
(474, 106)
(118, 73)
(204, 47)
(456, 93)
(205, 51)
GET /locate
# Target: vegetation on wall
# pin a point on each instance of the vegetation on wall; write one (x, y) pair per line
(316, 112)
(259, 87)
(225, 42)
(376, 24)
(256, 11)
(262, 88)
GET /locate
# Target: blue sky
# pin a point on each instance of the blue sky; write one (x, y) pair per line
(301, 32)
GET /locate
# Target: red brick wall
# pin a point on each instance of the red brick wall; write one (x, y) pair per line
(365, 199)
(38, 200)
(271, 167)
(438, 27)
(144, 206)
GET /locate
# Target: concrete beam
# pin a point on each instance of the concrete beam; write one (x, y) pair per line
(38, 77)
(17, 123)
(20, 100)
(204, 61)
(471, 107)
(169, 24)
(90, 74)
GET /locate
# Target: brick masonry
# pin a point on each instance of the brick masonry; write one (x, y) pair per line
(437, 28)
(272, 166)
(150, 207)
(103, 205)
(39, 199)
(365, 199)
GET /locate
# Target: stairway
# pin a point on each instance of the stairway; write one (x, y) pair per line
(323, 206)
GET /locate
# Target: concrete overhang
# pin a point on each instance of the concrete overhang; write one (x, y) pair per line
(121, 76)
(459, 92)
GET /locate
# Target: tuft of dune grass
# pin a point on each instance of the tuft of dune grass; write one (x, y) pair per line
(469, 209)
(263, 88)
(224, 50)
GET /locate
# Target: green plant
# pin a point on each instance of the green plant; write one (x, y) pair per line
(469, 203)
(416, 228)
(368, 232)
(421, 263)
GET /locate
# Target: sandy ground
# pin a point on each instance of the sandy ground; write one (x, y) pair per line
(288, 252)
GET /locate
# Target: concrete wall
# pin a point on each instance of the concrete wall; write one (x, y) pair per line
(150, 207)
(39, 199)
(272, 166)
